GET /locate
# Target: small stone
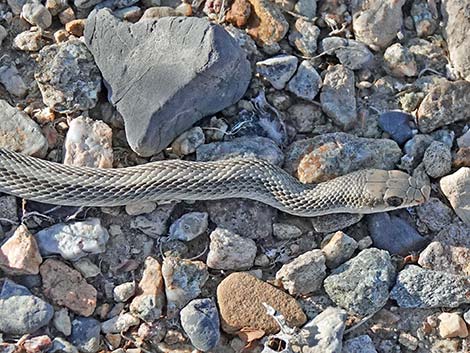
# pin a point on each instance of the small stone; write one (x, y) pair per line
(85, 4)
(154, 224)
(338, 96)
(230, 251)
(120, 323)
(446, 103)
(423, 18)
(37, 15)
(3, 34)
(189, 226)
(12, 80)
(19, 133)
(19, 255)
(56, 6)
(304, 37)
(240, 297)
(144, 207)
(59, 345)
(397, 124)
(359, 344)
(466, 317)
(239, 13)
(304, 274)
(76, 27)
(158, 12)
(81, 80)
(124, 291)
(307, 8)
(456, 188)
(305, 117)
(352, 54)
(420, 288)
(20, 311)
(277, 70)
(306, 82)
(31, 41)
(86, 334)
(340, 248)
(414, 150)
(399, 61)
(267, 25)
(408, 341)
(394, 234)
(435, 214)
(37, 344)
(452, 325)
(73, 240)
(66, 16)
(87, 268)
(8, 208)
(286, 231)
(200, 321)
(88, 143)
(66, 287)
(183, 282)
(188, 141)
(62, 321)
(437, 160)
(131, 13)
(61, 36)
(16, 5)
(150, 299)
(361, 285)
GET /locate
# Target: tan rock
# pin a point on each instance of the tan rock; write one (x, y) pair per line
(240, 297)
(452, 325)
(76, 27)
(66, 287)
(456, 187)
(239, 13)
(19, 255)
(267, 25)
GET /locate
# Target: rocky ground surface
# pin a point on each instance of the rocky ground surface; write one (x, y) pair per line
(321, 88)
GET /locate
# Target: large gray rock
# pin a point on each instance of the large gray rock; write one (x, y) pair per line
(159, 91)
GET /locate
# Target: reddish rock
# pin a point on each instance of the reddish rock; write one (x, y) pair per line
(66, 287)
(239, 13)
(37, 344)
(19, 255)
(267, 25)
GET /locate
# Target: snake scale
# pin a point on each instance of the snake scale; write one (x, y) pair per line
(363, 191)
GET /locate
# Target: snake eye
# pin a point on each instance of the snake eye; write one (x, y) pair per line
(394, 201)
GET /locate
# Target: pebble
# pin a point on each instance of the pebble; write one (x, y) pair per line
(230, 251)
(307, 8)
(399, 61)
(240, 297)
(304, 36)
(124, 291)
(305, 117)
(61, 321)
(18, 132)
(30, 41)
(446, 103)
(338, 248)
(421, 288)
(306, 82)
(19, 254)
(87, 268)
(131, 13)
(397, 125)
(188, 141)
(466, 317)
(200, 321)
(423, 18)
(266, 25)
(81, 80)
(304, 274)
(66, 287)
(37, 344)
(56, 6)
(338, 96)
(20, 311)
(16, 5)
(120, 323)
(245, 147)
(73, 240)
(456, 188)
(414, 151)
(86, 334)
(277, 70)
(154, 224)
(376, 23)
(359, 344)
(12, 80)
(239, 13)
(361, 285)
(59, 345)
(452, 325)
(286, 231)
(67, 16)
(189, 226)
(394, 234)
(408, 341)
(144, 207)
(3, 34)
(183, 282)
(37, 14)
(435, 214)
(159, 12)
(351, 54)
(452, 259)
(150, 292)
(88, 143)
(437, 159)
(334, 222)
(8, 208)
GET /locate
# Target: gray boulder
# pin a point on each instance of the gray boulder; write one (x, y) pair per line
(165, 74)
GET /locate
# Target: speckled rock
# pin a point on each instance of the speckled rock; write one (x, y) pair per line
(307, 8)
(119, 323)
(189, 226)
(267, 25)
(239, 13)
(200, 321)
(397, 124)
(11, 79)
(424, 19)
(277, 70)
(435, 214)
(334, 222)
(446, 258)
(154, 224)
(446, 103)
(286, 231)
(352, 54)
(60, 345)
(456, 188)
(361, 285)
(305, 116)
(420, 288)
(88, 143)
(124, 291)
(8, 208)
(61, 321)
(80, 79)
(399, 61)
(338, 248)
(86, 334)
(414, 151)
(359, 344)
(36, 14)
(304, 274)
(240, 297)
(30, 41)
(306, 82)
(188, 141)
(304, 36)
(437, 159)
(19, 133)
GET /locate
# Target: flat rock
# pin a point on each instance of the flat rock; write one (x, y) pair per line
(333, 222)
(352, 54)
(119, 323)
(11, 79)
(456, 187)
(306, 82)
(189, 226)
(155, 116)
(435, 214)
(154, 224)
(240, 297)
(397, 124)
(420, 288)
(338, 248)
(277, 70)
(19, 133)
(446, 103)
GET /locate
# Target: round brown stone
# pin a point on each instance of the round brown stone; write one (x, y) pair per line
(240, 297)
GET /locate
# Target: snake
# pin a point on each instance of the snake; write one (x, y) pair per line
(362, 191)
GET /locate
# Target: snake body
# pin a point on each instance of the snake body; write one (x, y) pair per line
(364, 191)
